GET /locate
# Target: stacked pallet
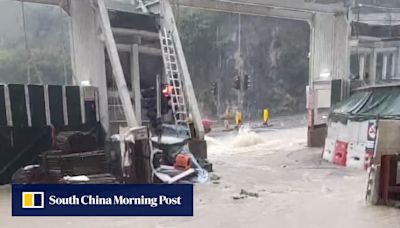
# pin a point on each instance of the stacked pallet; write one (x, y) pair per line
(84, 163)
(76, 154)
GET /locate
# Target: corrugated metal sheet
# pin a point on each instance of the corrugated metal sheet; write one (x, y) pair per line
(323, 45)
(330, 52)
(341, 55)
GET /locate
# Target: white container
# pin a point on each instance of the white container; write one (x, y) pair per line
(353, 129)
(362, 136)
(333, 130)
(344, 132)
(356, 155)
(329, 150)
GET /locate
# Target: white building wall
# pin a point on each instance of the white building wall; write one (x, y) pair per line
(87, 52)
(329, 57)
(330, 49)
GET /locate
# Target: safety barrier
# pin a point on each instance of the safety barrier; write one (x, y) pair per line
(350, 144)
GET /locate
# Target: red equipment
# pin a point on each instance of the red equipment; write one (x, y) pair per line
(183, 162)
(340, 153)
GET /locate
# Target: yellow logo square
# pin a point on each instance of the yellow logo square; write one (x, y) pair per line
(33, 200)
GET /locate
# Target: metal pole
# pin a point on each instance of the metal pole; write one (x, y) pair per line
(219, 71)
(218, 99)
(158, 82)
(135, 81)
(159, 122)
(240, 94)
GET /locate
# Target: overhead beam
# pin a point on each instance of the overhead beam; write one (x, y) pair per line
(120, 6)
(142, 49)
(360, 50)
(307, 5)
(47, 2)
(380, 44)
(246, 8)
(110, 4)
(135, 32)
(63, 3)
(383, 18)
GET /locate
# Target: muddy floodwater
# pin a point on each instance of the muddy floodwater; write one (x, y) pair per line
(264, 179)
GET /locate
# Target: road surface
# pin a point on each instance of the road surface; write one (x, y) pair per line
(286, 183)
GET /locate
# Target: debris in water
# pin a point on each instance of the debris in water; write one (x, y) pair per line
(246, 193)
(237, 197)
(214, 177)
(325, 189)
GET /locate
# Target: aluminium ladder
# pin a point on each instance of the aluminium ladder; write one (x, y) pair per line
(173, 75)
(371, 193)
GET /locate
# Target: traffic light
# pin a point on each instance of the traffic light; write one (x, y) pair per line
(214, 89)
(236, 82)
(247, 82)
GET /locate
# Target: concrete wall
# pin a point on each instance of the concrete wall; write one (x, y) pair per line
(87, 53)
(329, 58)
(388, 142)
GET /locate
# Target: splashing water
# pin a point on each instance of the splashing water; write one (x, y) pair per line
(247, 138)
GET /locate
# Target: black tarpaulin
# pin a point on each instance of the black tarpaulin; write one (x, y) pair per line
(56, 105)
(3, 115)
(74, 105)
(18, 105)
(37, 106)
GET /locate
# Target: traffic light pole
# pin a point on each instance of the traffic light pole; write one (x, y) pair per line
(241, 76)
(218, 99)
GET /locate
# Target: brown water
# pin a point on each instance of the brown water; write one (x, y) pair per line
(295, 189)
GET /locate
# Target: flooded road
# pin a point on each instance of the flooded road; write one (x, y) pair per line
(265, 179)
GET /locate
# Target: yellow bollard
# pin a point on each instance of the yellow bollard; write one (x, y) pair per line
(239, 118)
(266, 116)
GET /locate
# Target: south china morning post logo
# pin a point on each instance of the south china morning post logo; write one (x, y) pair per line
(32, 200)
(35, 200)
(102, 200)
(116, 200)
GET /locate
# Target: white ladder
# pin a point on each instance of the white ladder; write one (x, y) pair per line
(371, 193)
(173, 74)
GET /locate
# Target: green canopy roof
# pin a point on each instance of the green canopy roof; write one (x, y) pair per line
(369, 103)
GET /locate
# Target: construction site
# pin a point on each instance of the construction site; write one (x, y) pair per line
(280, 113)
